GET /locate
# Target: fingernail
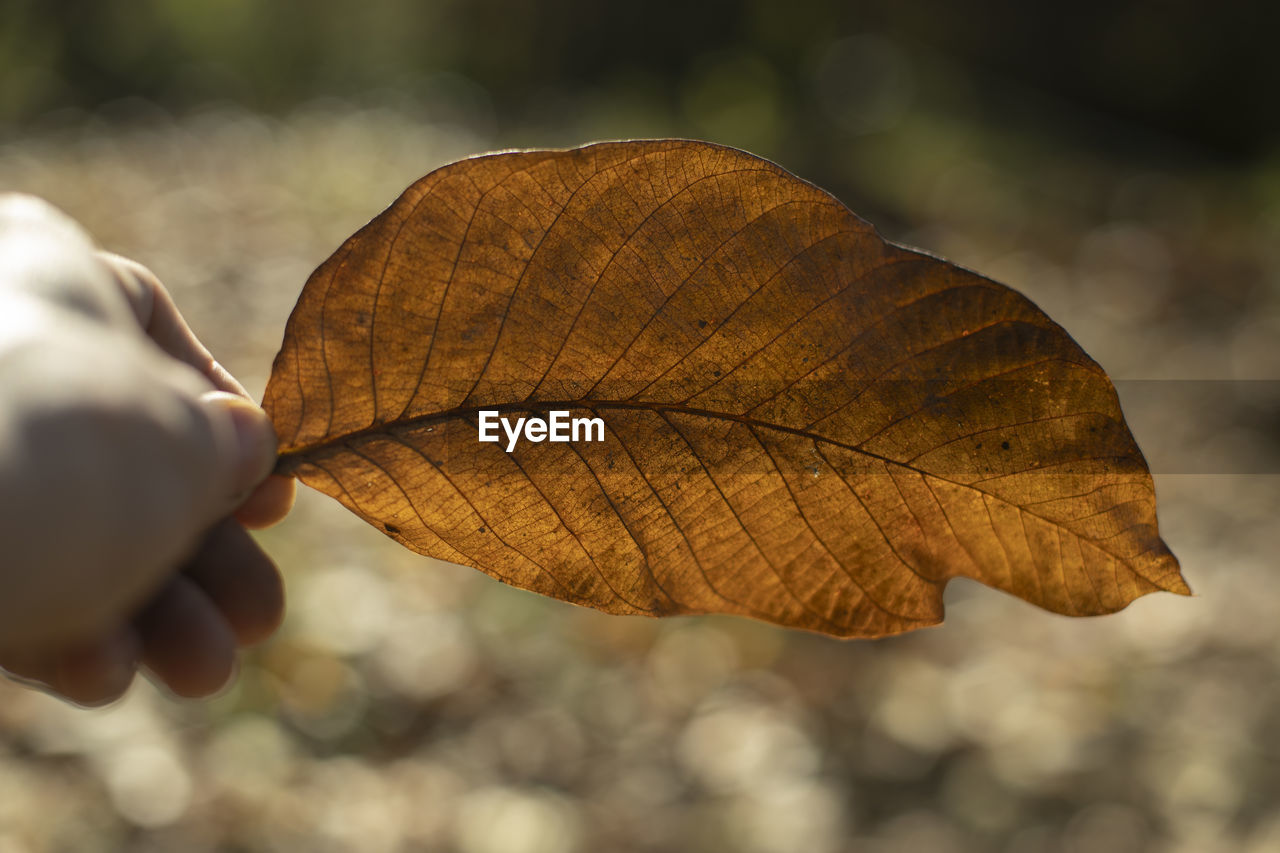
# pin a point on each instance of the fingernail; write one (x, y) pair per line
(255, 439)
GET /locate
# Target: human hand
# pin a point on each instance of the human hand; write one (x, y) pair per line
(130, 465)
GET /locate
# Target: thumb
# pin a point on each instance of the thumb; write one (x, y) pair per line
(247, 442)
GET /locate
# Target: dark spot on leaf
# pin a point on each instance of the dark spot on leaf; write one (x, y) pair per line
(702, 324)
(391, 528)
(1004, 445)
(481, 530)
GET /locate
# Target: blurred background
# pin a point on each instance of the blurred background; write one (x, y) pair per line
(1120, 165)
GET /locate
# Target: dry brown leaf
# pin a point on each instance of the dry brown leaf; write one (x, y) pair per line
(803, 423)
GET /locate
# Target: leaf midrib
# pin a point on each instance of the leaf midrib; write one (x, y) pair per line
(290, 460)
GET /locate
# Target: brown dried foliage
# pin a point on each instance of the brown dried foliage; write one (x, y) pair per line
(805, 423)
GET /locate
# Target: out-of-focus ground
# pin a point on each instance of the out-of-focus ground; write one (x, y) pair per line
(414, 705)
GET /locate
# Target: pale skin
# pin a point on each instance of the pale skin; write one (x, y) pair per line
(131, 464)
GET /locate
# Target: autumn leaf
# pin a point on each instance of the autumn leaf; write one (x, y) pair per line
(798, 421)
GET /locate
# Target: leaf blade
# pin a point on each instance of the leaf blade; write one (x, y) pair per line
(805, 424)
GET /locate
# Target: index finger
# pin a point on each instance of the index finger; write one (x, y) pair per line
(161, 320)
